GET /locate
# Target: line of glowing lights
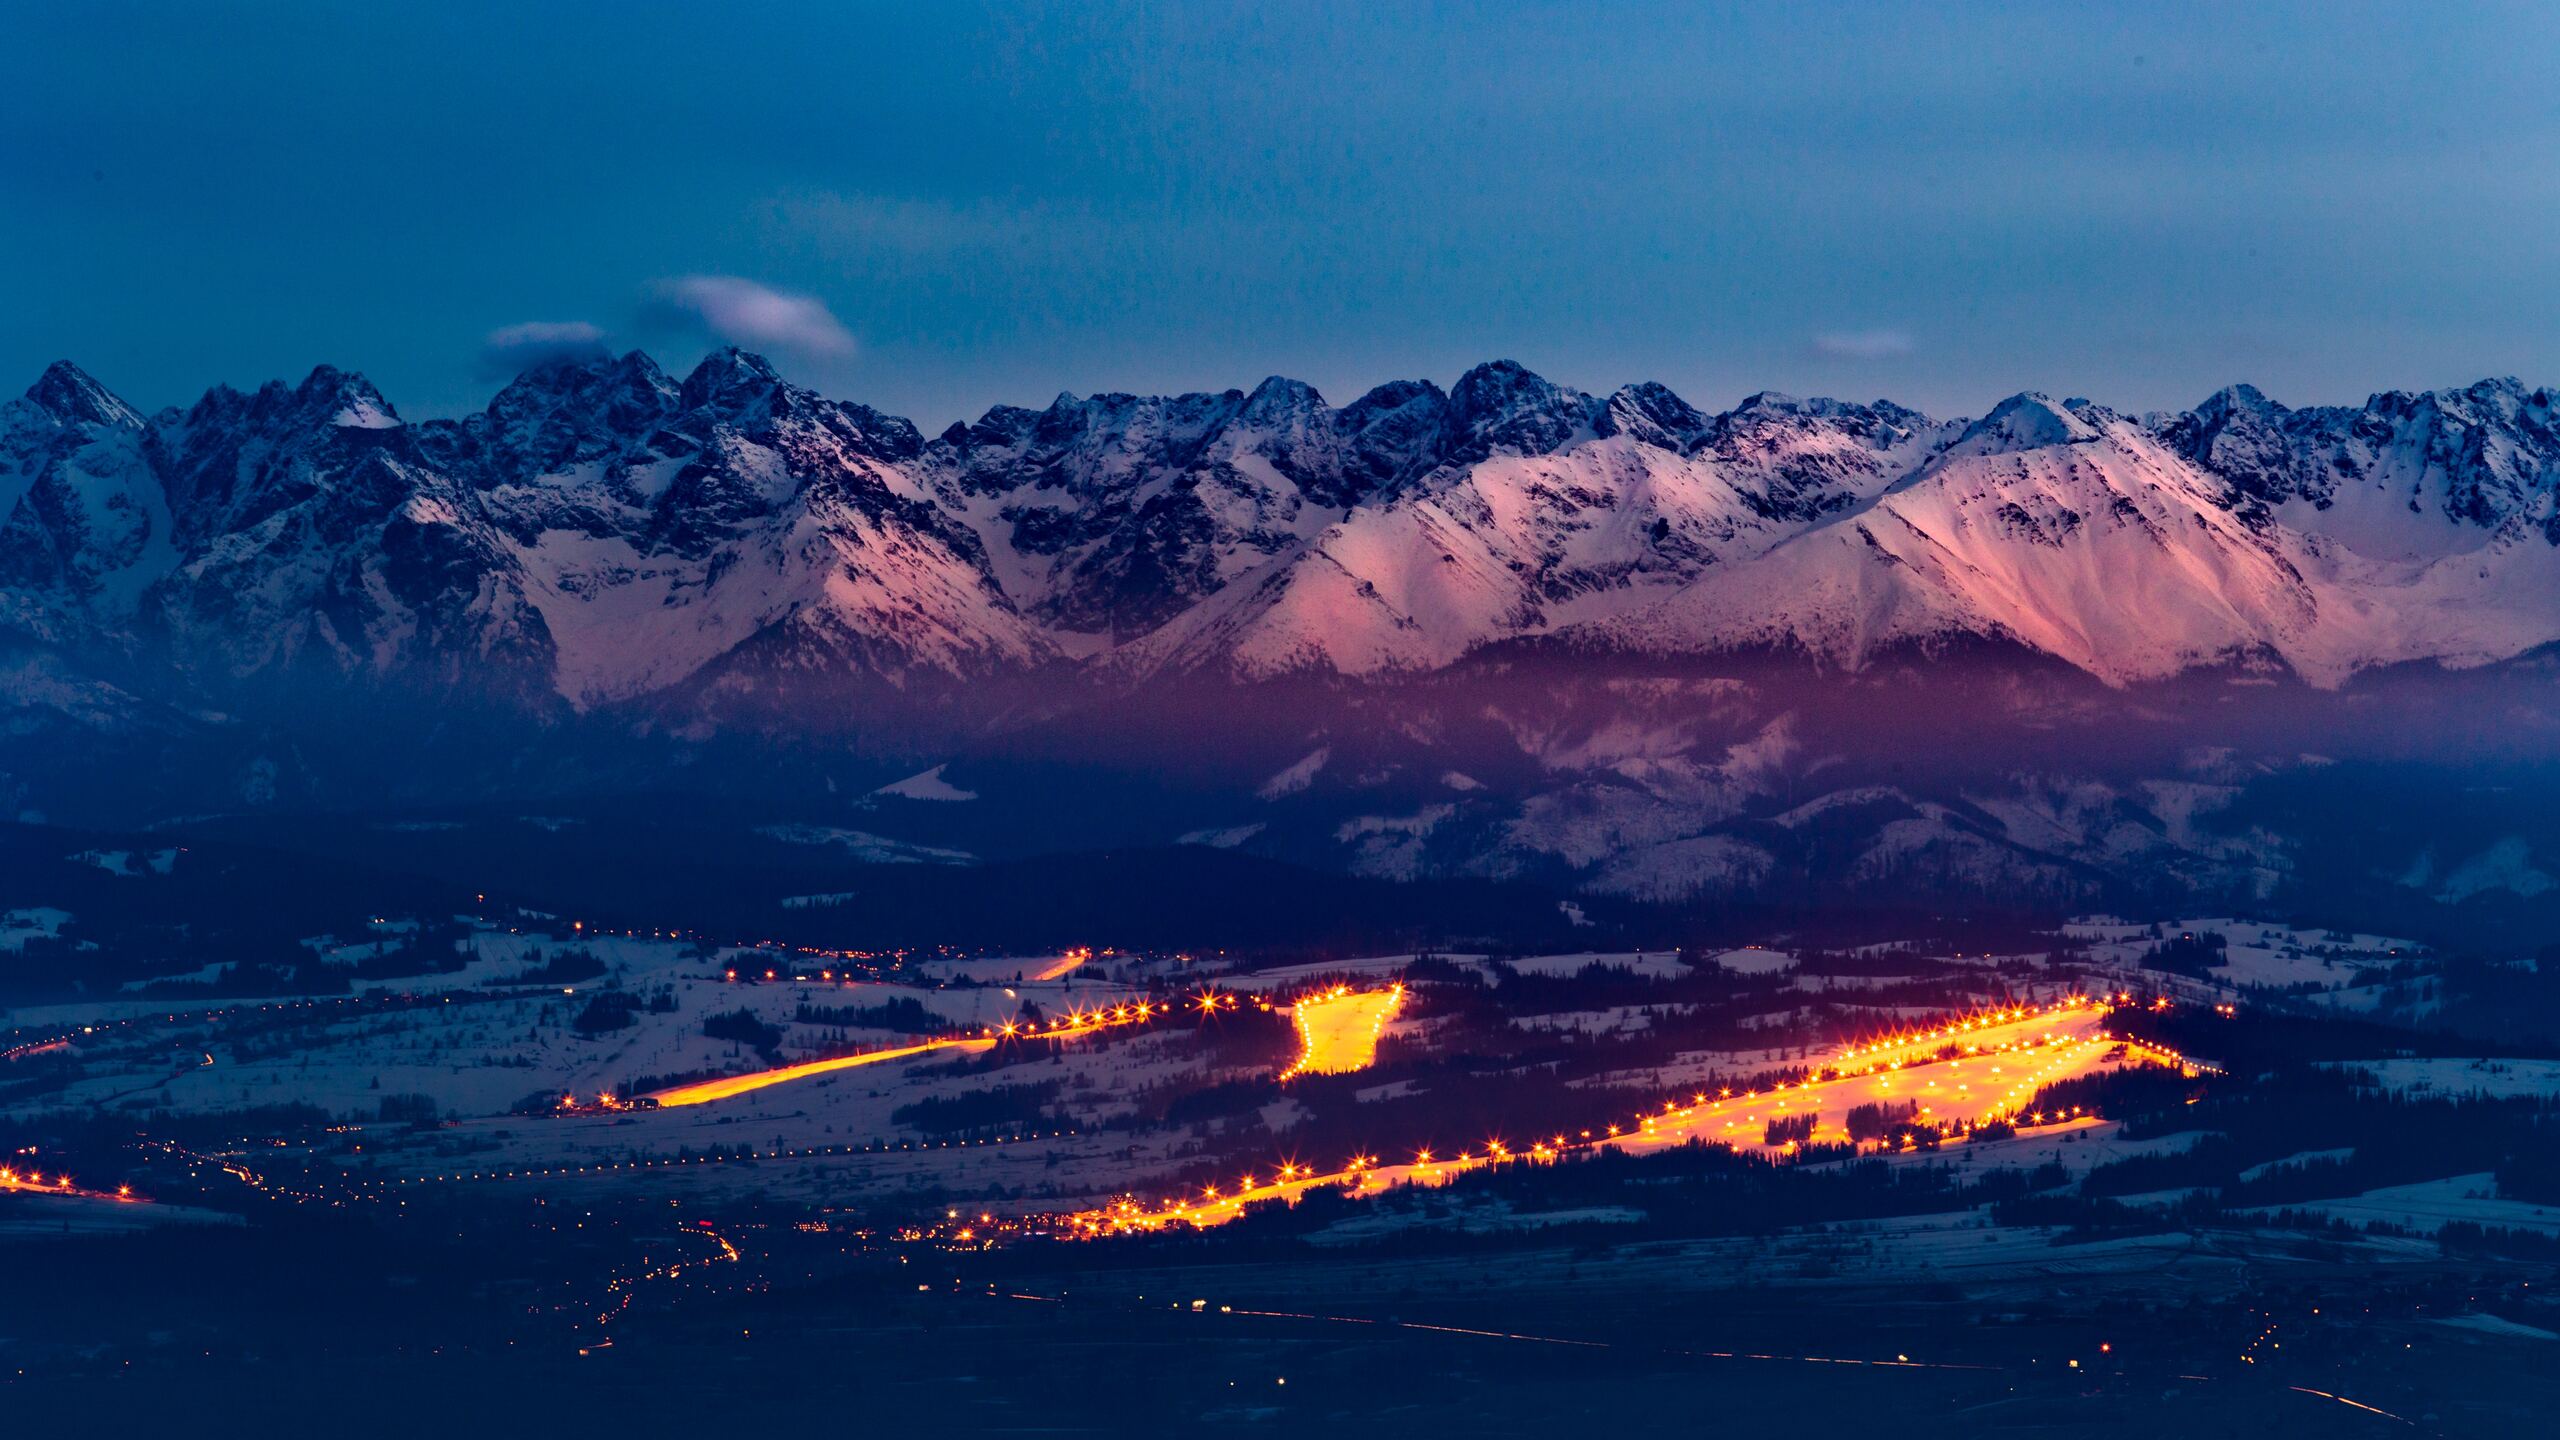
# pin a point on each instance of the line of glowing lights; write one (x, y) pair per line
(34, 1182)
(1067, 1027)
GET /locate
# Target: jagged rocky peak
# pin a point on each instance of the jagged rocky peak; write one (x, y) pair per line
(352, 402)
(735, 380)
(235, 460)
(70, 396)
(589, 387)
(1651, 413)
(2239, 434)
(1390, 434)
(1280, 403)
(1504, 406)
(2482, 402)
(1770, 414)
(1002, 427)
(2486, 454)
(328, 399)
(742, 391)
(1093, 446)
(570, 410)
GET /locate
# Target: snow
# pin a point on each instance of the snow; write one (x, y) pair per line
(2500, 1079)
(2505, 866)
(2496, 1325)
(2305, 1157)
(37, 922)
(1658, 964)
(1221, 837)
(2430, 1205)
(1391, 845)
(2260, 953)
(28, 1215)
(1296, 777)
(126, 862)
(864, 846)
(1608, 1020)
(927, 785)
(1002, 969)
(364, 413)
(1755, 961)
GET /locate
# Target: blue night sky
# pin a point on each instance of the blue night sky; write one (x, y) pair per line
(934, 207)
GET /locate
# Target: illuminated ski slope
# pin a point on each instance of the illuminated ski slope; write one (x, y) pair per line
(1338, 1029)
(1958, 1075)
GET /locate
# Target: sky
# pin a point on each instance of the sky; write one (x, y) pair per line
(937, 207)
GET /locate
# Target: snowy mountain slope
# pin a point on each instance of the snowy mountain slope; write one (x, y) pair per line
(2405, 477)
(738, 525)
(2068, 530)
(83, 528)
(1110, 515)
(2082, 534)
(2428, 522)
(1518, 543)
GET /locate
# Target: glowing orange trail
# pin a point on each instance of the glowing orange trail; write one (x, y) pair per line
(1081, 1023)
(1338, 1029)
(704, 1091)
(1064, 965)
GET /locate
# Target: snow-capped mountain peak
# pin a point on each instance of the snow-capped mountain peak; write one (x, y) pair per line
(1503, 406)
(2026, 421)
(66, 392)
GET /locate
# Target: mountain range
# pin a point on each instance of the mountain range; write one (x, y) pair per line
(604, 533)
(1502, 629)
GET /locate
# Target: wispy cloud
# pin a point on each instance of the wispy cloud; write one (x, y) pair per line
(511, 350)
(1863, 344)
(729, 310)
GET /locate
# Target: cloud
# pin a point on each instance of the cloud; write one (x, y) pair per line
(732, 311)
(513, 349)
(1863, 344)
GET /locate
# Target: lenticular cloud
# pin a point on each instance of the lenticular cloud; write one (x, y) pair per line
(735, 311)
(513, 349)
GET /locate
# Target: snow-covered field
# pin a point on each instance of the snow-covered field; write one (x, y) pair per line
(30, 1215)
(1754, 960)
(39, 922)
(2497, 1079)
(2258, 953)
(2429, 1205)
(487, 1054)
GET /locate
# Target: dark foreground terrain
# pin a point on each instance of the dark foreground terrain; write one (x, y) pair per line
(289, 1329)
